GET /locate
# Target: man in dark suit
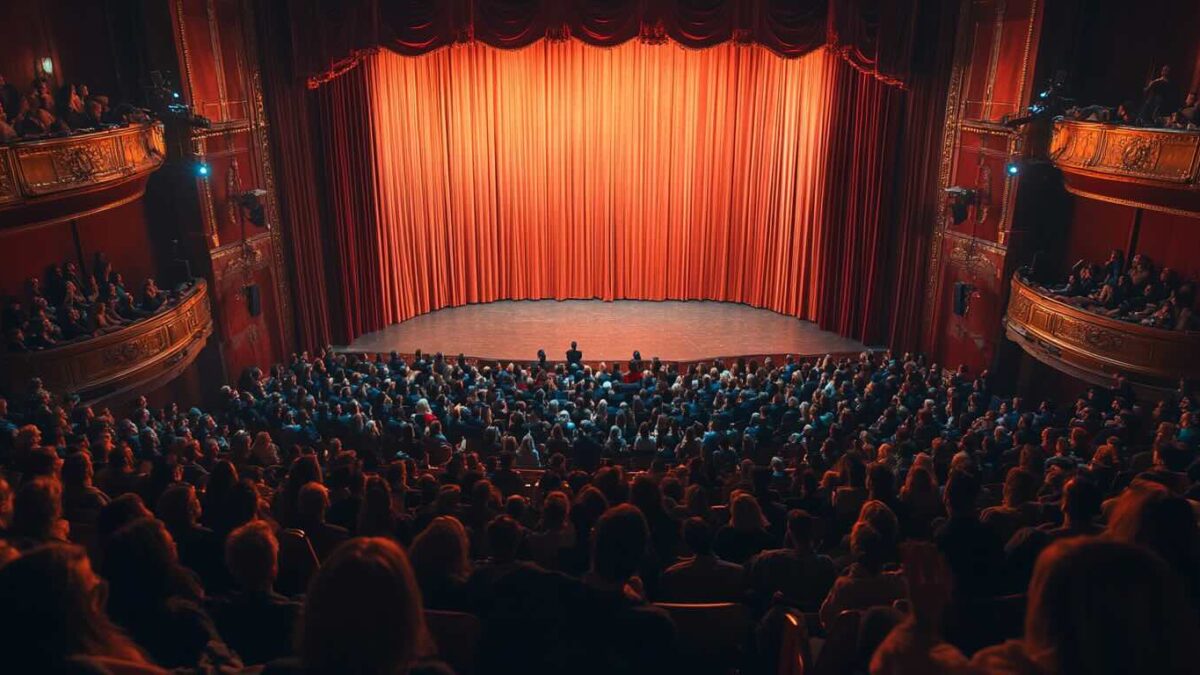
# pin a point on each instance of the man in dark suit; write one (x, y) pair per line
(802, 575)
(311, 505)
(255, 620)
(574, 356)
(506, 479)
(704, 577)
(586, 450)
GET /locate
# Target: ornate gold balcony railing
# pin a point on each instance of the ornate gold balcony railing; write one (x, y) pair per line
(136, 357)
(57, 178)
(1093, 347)
(1149, 168)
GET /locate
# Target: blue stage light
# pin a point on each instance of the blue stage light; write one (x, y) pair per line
(202, 169)
(1012, 168)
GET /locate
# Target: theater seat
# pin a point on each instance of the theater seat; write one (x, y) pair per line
(710, 635)
(456, 635)
(297, 562)
(794, 652)
(111, 665)
(781, 641)
(972, 624)
(841, 645)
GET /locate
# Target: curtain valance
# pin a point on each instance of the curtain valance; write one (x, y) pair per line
(873, 35)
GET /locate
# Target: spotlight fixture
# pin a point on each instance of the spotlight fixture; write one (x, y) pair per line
(1050, 102)
(1012, 168)
(166, 101)
(961, 199)
(252, 202)
(202, 169)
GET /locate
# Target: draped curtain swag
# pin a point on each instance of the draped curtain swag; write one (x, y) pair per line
(872, 35)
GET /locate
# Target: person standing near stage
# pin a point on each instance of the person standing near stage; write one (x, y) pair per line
(574, 357)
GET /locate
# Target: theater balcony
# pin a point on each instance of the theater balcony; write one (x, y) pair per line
(1156, 169)
(53, 180)
(133, 358)
(1093, 347)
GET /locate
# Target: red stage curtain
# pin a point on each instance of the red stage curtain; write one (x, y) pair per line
(347, 147)
(871, 34)
(852, 245)
(792, 225)
(292, 132)
(875, 36)
(917, 200)
(641, 171)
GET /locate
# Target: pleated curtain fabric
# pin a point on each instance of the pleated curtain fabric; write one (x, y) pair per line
(563, 170)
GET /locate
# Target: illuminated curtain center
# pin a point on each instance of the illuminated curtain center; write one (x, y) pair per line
(567, 171)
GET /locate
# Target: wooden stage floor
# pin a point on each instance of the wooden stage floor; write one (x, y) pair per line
(606, 331)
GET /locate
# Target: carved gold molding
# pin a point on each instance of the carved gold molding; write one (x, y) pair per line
(127, 359)
(283, 291)
(967, 256)
(989, 88)
(1095, 347)
(53, 167)
(950, 131)
(233, 187)
(1149, 206)
(1156, 157)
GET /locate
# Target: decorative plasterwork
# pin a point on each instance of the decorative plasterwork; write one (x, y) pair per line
(57, 166)
(1094, 346)
(1162, 157)
(124, 359)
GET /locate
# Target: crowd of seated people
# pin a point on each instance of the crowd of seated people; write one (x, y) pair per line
(1140, 292)
(39, 112)
(1161, 106)
(329, 513)
(70, 306)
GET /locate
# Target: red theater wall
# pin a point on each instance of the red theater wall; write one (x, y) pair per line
(214, 52)
(993, 76)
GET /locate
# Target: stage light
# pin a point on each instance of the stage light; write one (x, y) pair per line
(252, 202)
(175, 94)
(961, 200)
(47, 65)
(1012, 168)
(202, 169)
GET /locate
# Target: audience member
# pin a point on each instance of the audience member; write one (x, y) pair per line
(256, 621)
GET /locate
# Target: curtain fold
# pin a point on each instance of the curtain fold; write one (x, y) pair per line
(873, 35)
(349, 185)
(852, 246)
(917, 200)
(291, 133)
